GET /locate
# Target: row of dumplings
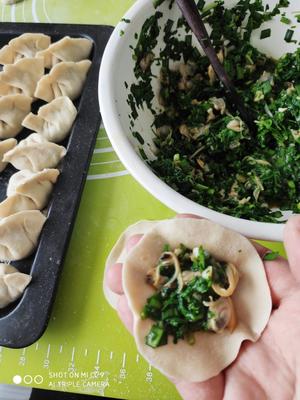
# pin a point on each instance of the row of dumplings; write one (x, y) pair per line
(53, 120)
(25, 58)
(22, 81)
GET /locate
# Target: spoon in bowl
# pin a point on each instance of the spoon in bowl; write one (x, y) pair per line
(191, 14)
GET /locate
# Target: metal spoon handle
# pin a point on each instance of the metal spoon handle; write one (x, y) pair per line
(193, 18)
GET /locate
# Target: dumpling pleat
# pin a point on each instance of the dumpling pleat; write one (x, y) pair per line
(19, 234)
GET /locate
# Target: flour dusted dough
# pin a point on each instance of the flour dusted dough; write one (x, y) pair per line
(54, 120)
(64, 79)
(13, 109)
(35, 153)
(211, 352)
(66, 49)
(19, 234)
(36, 186)
(12, 284)
(21, 77)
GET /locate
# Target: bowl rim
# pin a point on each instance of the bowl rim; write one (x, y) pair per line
(137, 168)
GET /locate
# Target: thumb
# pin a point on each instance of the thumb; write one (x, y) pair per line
(291, 237)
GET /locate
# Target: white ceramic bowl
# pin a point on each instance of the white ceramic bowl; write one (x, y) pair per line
(117, 67)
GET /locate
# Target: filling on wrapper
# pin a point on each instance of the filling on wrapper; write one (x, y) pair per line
(251, 300)
(192, 293)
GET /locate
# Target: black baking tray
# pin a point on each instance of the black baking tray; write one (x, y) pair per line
(24, 321)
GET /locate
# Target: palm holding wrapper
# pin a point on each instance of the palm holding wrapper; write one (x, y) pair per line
(277, 345)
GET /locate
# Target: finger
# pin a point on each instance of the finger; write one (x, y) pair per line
(291, 237)
(212, 389)
(124, 313)
(188, 216)
(279, 276)
(132, 241)
(280, 279)
(114, 278)
(262, 250)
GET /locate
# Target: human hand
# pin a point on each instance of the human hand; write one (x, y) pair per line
(269, 368)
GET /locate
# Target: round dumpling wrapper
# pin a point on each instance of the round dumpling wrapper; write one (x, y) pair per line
(211, 352)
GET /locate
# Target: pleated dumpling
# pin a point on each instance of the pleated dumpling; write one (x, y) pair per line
(19, 234)
(35, 153)
(13, 109)
(64, 79)
(26, 45)
(5, 146)
(12, 284)
(37, 186)
(66, 49)
(54, 120)
(16, 203)
(21, 77)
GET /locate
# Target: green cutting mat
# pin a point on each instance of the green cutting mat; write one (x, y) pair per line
(85, 348)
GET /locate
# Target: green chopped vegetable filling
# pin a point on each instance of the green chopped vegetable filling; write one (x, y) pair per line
(157, 336)
(289, 35)
(265, 33)
(203, 149)
(179, 311)
(285, 20)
